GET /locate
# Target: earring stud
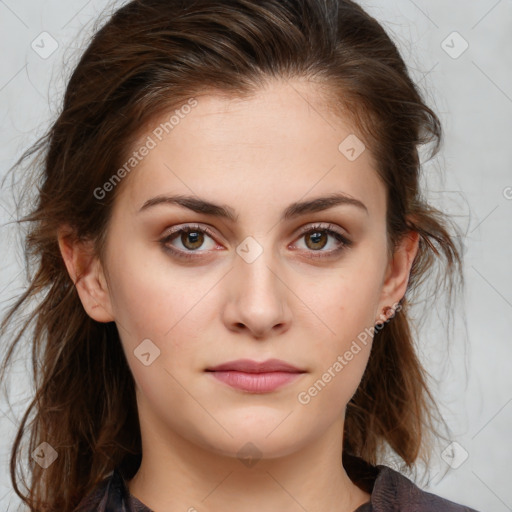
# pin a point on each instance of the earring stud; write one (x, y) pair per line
(385, 315)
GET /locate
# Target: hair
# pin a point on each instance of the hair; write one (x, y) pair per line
(152, 56)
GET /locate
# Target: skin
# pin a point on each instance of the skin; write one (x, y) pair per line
(256, 155)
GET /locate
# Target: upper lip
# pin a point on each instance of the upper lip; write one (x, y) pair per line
(250, 366)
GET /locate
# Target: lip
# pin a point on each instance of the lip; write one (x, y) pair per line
(254, 376)
(250, 366)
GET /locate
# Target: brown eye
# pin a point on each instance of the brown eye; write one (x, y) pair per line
(323, 241)
(192, 239)
(189, 241)
(316, 239)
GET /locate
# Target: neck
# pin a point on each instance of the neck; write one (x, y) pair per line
(176, 474)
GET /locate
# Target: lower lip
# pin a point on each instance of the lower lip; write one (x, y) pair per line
(255, 382)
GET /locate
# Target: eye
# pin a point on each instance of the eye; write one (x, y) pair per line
(191, 238)
(317, 237)
(189, 241)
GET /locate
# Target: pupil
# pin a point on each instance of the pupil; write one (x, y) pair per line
(316, 238)
(192, 239)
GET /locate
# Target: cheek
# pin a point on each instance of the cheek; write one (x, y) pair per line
(342, 345)
(149, 296)
(347, 305)
(168, 306)
(142, 305)
(324, 398)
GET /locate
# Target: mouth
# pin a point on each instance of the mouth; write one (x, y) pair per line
(256, 377)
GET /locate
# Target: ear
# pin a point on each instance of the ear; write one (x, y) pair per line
(398, 270)
(87, 274)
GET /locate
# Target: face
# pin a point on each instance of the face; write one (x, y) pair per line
(279, 275)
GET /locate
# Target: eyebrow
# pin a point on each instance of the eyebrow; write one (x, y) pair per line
(294, 210)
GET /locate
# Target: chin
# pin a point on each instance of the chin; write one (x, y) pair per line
(254, 443)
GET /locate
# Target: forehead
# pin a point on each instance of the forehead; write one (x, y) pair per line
(279, 144)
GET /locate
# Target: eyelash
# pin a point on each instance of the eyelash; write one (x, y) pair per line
(193, 228)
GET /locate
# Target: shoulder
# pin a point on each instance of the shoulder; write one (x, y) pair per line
(111, 495)
(390, 491)
(393, 491)
(106, 496)
(93, 501)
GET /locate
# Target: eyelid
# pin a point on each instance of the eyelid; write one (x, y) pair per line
(188, 227)
(304, 229)
(323, 226)
(332, 229)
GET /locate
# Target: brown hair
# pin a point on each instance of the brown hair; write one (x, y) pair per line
(150, 57)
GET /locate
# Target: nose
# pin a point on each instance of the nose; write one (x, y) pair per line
(258, 299)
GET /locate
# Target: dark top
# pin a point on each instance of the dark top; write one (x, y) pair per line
(389, 491)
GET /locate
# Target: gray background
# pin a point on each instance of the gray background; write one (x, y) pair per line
(471, 92)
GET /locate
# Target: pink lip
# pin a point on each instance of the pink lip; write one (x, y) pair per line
(255, 377)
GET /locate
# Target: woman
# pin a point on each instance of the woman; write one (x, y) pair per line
(228, 236)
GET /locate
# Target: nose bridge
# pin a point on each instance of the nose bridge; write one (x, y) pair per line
(259, 300)
(256, 267)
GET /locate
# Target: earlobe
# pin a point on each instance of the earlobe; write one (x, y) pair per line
(399, 269)
(86, 272)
